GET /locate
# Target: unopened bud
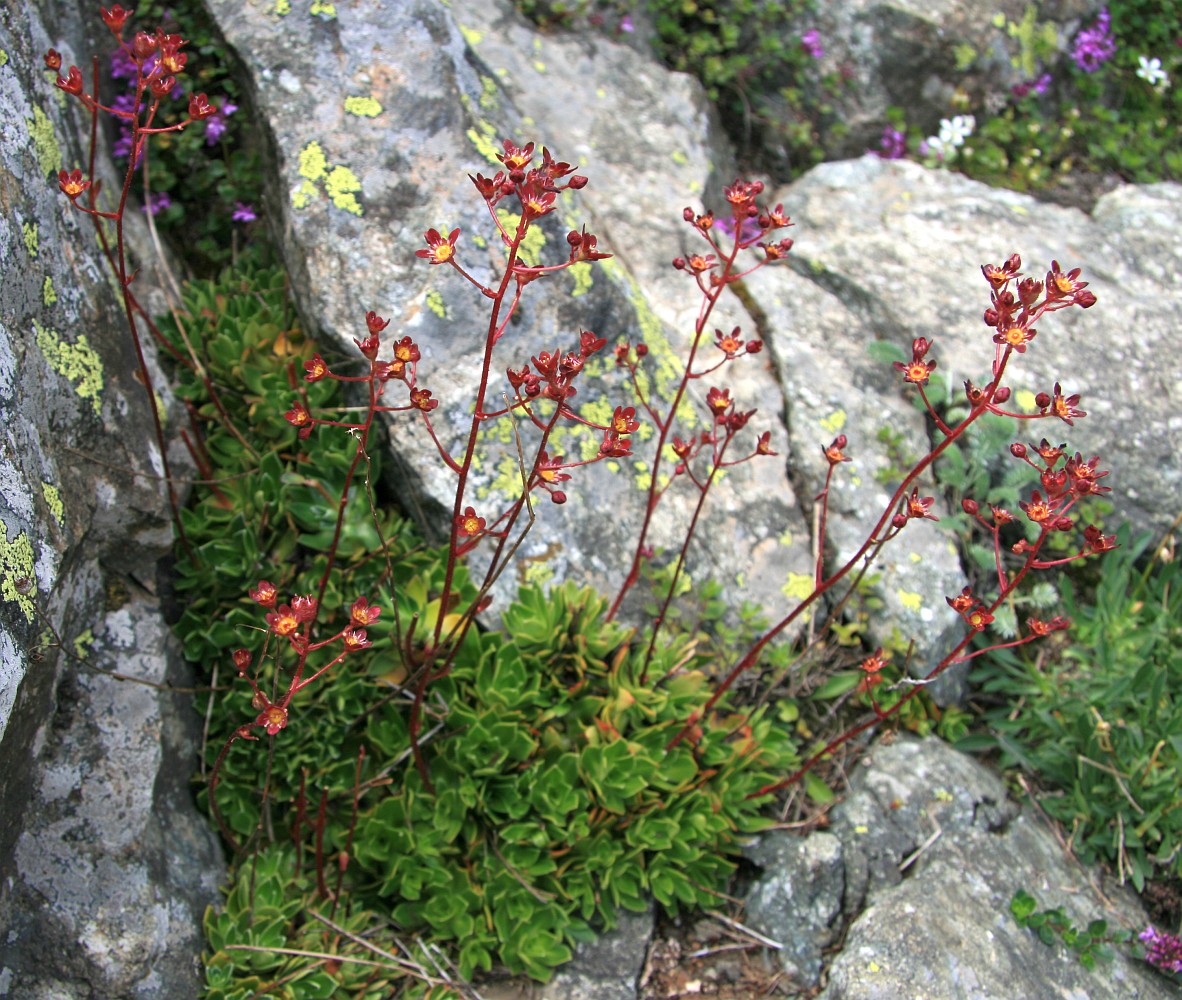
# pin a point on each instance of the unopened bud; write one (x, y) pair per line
(1042, 400)
(1018, 449)
(1002, 394)
(558, 496)
(898, 520)
(969, 506)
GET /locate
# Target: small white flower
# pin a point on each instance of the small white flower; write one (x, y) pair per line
(954, 132)
(933, 145)
(1151, 72)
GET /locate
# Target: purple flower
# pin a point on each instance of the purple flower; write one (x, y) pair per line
(749, 233)
(1162, 949)
(123, 67)
(892, 145)
(243, 212)
(215, 125)
(1095, 45)
(158, 201)
(626, 24)
(1042, 84)
(810, 41)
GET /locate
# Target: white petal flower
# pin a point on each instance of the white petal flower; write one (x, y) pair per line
(1151, 72)
(954, 132)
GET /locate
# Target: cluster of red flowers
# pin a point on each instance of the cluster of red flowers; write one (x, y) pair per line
(158, 59)
(293, 622)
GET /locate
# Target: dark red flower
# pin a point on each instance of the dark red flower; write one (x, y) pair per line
(439, 249)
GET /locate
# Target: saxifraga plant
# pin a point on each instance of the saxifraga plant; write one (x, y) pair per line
(518, 786)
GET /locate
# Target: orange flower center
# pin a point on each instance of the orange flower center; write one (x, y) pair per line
(1015, 336)
(286, 624)
(1064, 283)
(471, 525)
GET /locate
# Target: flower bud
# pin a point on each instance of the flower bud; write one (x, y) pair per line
(970, 506)
(1002, 394)
(558, 496)
(687, 214)
(143, 46)
(1042, 400)
(53, 60)
(577, 182)
(898, 520)
(1018, 449)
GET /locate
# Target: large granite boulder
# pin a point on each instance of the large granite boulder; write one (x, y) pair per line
(439, 86)
(105, 865)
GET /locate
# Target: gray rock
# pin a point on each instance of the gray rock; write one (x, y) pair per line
(799, 897)
(940, 851)
(105, 865)
(607, 968)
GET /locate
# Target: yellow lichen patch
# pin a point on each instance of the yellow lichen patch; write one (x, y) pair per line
(915, 557)
(45, 147)
(485, 142)
(341, 184)
(490, 99)
(363, 107)
(539, 66)
(282, 7)
(472, 36)
(798, 587)
(910, 600)
(3, 58)
(83, 643)
(313, 164)
(436, 304)
(679, 158)
(1025, 400)
(48, 292)
(530, 251)
(833, 423)
(324, 9)
(78, 362)
(32, 238)
(53, 500)
(538, 573)
(583, 280)
(786, 538)
(303, 195)
(16, 560)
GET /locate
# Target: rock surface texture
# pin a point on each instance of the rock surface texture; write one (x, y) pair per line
(105, 865)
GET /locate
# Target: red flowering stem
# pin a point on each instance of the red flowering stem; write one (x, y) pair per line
(822, 520)
(710, 297)
(681, 556)
(751, 657)
(494, 331)
(881, 715)
(931, 411)
(450, 462)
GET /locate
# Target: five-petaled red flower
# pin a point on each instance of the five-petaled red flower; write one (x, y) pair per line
(439, 249)
(283, 621)
(468, 523)
(298, 416)
(264, 594)
(979, 618)
(421, 399)
(362, 613)
(920, 507)
(315, 369)
(272, 718)
(72, 183)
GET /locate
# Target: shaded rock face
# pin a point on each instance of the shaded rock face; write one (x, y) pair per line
(931, 853)
(105, 865)
(904, 54)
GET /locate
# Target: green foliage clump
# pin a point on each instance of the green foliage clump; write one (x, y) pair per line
(1101, 720)
(553, 800)
(1110, 120)
(749, 56)
(1091, 944)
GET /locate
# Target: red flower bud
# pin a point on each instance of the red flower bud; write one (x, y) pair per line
(1002, 394)
(558, 496)
(72, 83)
(1018, 450)
(969, 506)
(577, 182)
(143, 45)
(162, 86)
(53, 60)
